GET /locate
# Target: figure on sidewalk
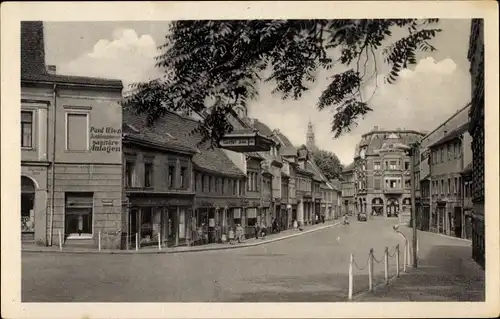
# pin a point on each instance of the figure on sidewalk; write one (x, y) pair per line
(323, 218)
(295, 224)
(256, 229)
(263, 229)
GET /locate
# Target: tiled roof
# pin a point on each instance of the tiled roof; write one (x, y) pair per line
(135, 126)
(310, 167)
(452, 135)
(285, 140)
(72, 79)
(262, 128)
(214, 160)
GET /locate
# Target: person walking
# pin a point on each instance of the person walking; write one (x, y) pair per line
(256, 230)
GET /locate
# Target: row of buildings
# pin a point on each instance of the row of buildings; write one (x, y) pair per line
(90, 166)
(447, 164)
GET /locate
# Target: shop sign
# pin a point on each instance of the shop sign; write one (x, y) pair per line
(206, 204)
(35, 171)
(105, 139)
(238, 142)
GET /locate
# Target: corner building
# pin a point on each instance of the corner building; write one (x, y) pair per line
(382, 172)
(71, 157)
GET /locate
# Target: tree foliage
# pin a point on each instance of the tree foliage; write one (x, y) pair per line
(211, 66)
(329, 164)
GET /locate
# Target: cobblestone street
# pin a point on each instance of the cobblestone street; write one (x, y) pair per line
(311, 267)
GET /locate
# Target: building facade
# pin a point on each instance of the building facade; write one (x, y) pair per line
(382, 172)
(348, 190)
(71, 156)
(158, 184)
(449, 157)
(476, 129)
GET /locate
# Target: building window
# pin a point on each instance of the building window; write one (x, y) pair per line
(210, 184)
(441, 189)
(407, 165)
(442, 155)
(240, 187)
(184, 181)
(78, 214)
(129, 173)
(376, 166)
(218, 185)
(407, 183)
(77, 132)
(196, 186)
(449, 186)
(393, 165)
(26, 129)
(148, 174)
(455, 190)
(171, 176)
(377, 185)
(235, 187)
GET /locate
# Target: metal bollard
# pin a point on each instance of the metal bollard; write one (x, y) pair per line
(350, 276)
(386, 264)
(370, 270)
(405, 257)
(159, 241)
(136, 241)
(397, 260)
(60, 240)
(99, 241)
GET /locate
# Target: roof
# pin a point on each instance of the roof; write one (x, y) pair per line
(33, 67)
(284, 139)
(452, 135)
(348, 168)
(467, 170)
(214, 160)
(135, 128)
(311, 168)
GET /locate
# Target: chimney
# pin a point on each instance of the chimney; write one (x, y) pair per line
(51, 69)
(375, 128)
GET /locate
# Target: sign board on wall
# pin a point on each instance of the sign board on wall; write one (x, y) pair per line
(238, 142)
(105, 139)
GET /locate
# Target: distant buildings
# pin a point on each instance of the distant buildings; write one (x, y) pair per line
(476, 129)
(379, 177)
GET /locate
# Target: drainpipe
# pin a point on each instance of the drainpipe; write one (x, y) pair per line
(52, 165)
(462, 195)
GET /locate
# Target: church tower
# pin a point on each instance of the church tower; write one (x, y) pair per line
(310, 141)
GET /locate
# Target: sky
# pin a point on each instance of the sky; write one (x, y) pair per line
(422, 98)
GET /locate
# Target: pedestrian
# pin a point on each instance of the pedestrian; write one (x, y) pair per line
(274, 226)
(256, 230)
(316, 219)
(295, 225)
(263, 229)
(323, 219)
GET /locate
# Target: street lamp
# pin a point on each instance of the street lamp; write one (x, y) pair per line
(410, 151)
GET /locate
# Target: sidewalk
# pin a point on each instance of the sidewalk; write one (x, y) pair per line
(183, 249)
(445, 272)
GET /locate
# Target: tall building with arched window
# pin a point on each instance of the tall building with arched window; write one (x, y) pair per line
(381, 172)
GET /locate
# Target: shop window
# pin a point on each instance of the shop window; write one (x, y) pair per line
(129, 173)
(26, 129)
(77, 132)
(78, 214)
(148, 174)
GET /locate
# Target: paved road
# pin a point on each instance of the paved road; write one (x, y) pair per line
(312, 267)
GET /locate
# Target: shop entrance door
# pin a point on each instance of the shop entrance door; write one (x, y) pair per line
(133, 227)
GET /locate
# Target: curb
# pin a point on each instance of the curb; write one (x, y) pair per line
(156, 252)
(442, 235)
